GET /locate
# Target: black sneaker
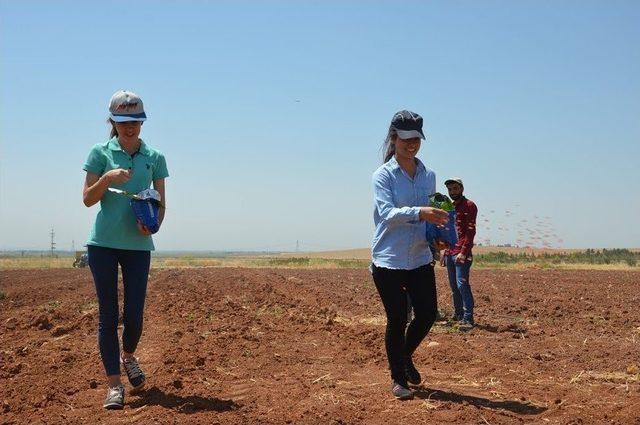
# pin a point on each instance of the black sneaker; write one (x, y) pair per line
(115, 398)
(400, 391)
(134, 373)
(411, 373)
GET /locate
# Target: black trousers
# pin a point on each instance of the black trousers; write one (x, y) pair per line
(393, 286)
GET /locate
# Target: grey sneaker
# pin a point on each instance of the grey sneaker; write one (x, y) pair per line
(400, 391)
(466, 326)
(135, 374)
(115, 398)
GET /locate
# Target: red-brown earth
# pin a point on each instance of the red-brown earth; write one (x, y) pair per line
(228, 346)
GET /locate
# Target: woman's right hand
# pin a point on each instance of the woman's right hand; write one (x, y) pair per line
(118, 176)
(434, 215)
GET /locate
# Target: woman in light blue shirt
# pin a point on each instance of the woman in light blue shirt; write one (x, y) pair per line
(400, 252)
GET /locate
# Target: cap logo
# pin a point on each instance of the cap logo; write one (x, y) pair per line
(127, 106)
(400, 116)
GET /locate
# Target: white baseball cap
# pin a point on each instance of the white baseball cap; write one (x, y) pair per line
(126, 106)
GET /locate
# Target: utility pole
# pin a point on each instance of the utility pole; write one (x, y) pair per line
(53, 242)
(297, 246)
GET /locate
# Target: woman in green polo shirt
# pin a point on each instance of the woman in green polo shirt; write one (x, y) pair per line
(124, 162)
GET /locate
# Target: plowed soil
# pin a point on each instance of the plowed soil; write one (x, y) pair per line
(229, 346)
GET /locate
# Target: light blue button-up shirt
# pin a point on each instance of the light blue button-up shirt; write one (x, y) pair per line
(399, 241)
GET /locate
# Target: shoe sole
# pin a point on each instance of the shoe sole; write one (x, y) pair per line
(138, 389)
(413, 382)
(404, 397)
(113, 406)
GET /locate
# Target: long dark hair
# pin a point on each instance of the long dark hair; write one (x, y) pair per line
(114, 132)
(389, 146)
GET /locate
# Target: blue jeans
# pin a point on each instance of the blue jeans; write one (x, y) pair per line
(135, 273)
(460, 288)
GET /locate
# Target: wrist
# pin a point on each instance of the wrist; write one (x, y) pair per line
(106, 178)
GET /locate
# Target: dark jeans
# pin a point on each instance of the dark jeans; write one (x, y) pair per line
(393, 286)
(460, 288)
(135, 273)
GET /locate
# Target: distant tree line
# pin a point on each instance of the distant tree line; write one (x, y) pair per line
(589, 256)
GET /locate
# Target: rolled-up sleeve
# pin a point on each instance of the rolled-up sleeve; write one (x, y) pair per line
(383, 200)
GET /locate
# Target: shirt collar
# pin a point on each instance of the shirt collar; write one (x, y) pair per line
(114, 145)
(460, 201)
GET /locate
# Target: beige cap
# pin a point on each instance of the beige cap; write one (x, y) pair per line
(454, 180)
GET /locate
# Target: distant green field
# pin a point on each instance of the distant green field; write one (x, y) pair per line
(608, 259)
(589, 256)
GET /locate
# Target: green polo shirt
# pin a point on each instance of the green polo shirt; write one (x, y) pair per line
(115, 225)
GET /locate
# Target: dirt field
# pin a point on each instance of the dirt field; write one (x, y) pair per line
(228, 346)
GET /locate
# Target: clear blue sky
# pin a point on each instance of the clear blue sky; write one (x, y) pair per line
(272, 114)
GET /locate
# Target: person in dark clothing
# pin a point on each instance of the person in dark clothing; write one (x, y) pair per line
(459, 258)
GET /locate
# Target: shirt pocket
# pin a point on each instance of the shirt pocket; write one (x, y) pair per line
(422, 194)
(403, 194)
